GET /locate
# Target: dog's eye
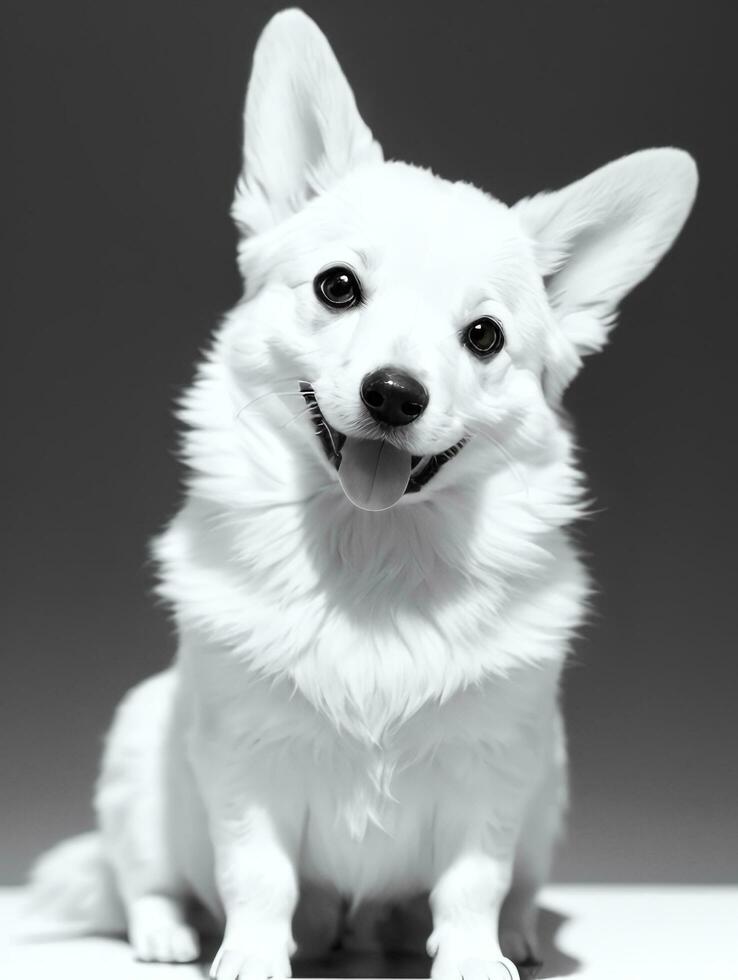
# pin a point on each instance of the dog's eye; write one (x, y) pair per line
(337, 287)
(484, 337)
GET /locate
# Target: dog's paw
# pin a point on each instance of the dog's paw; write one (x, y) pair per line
(234, 963)
(158, 933)
(166, 944)
(253, 950)
(468, 953)
(495, 968)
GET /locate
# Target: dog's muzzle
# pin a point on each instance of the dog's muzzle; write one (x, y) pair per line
(374, 474)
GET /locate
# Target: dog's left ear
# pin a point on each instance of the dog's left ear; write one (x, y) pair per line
(302, 130)
(599, 237)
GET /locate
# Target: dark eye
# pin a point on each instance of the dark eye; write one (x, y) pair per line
(484, 337)
(337, 287)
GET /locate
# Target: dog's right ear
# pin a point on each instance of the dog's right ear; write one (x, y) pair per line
(302, 130)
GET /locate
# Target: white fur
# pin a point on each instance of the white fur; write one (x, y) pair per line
(364, 705)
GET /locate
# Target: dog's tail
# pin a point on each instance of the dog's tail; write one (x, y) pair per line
(72, 892)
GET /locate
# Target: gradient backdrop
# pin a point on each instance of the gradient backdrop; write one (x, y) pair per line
(121, 150)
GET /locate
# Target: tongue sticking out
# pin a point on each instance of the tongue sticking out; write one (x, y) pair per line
(373, 473)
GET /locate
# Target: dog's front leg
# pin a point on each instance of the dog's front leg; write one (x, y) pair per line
(474, 842)
(255, 821)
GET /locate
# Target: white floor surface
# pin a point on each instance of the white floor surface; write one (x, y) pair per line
(588, 933)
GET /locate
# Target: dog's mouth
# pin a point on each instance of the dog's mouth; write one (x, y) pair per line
(373, 473)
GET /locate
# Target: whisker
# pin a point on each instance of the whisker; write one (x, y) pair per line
(299, 353)
(514, 469)
(309, 353)
(298, 415)
(328, 432)
(266, 394)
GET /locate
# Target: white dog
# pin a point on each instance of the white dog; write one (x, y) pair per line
(372, 583)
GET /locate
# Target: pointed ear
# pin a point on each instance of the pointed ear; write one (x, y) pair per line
(302, 130)
(599, 237)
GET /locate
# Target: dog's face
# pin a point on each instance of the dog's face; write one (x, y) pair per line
(414, 320)
(422, 320)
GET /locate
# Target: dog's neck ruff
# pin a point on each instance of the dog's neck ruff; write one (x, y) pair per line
(368, 616)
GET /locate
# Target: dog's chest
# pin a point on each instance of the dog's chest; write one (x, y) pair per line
(367, 814)
(362, 793)
(371, 808)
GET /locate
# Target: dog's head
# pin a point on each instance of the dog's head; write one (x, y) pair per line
(423, 321)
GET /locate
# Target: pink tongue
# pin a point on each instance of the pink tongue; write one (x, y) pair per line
(373, 473)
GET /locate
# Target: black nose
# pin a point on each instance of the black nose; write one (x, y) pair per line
(393, 397)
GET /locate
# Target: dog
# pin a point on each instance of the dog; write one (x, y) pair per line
(371, 577)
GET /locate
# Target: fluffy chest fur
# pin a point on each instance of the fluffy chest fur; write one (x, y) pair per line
(372, 616)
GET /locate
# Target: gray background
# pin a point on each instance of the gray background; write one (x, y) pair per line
(123, 142)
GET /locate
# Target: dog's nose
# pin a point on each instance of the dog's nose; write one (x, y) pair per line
(393, 397)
